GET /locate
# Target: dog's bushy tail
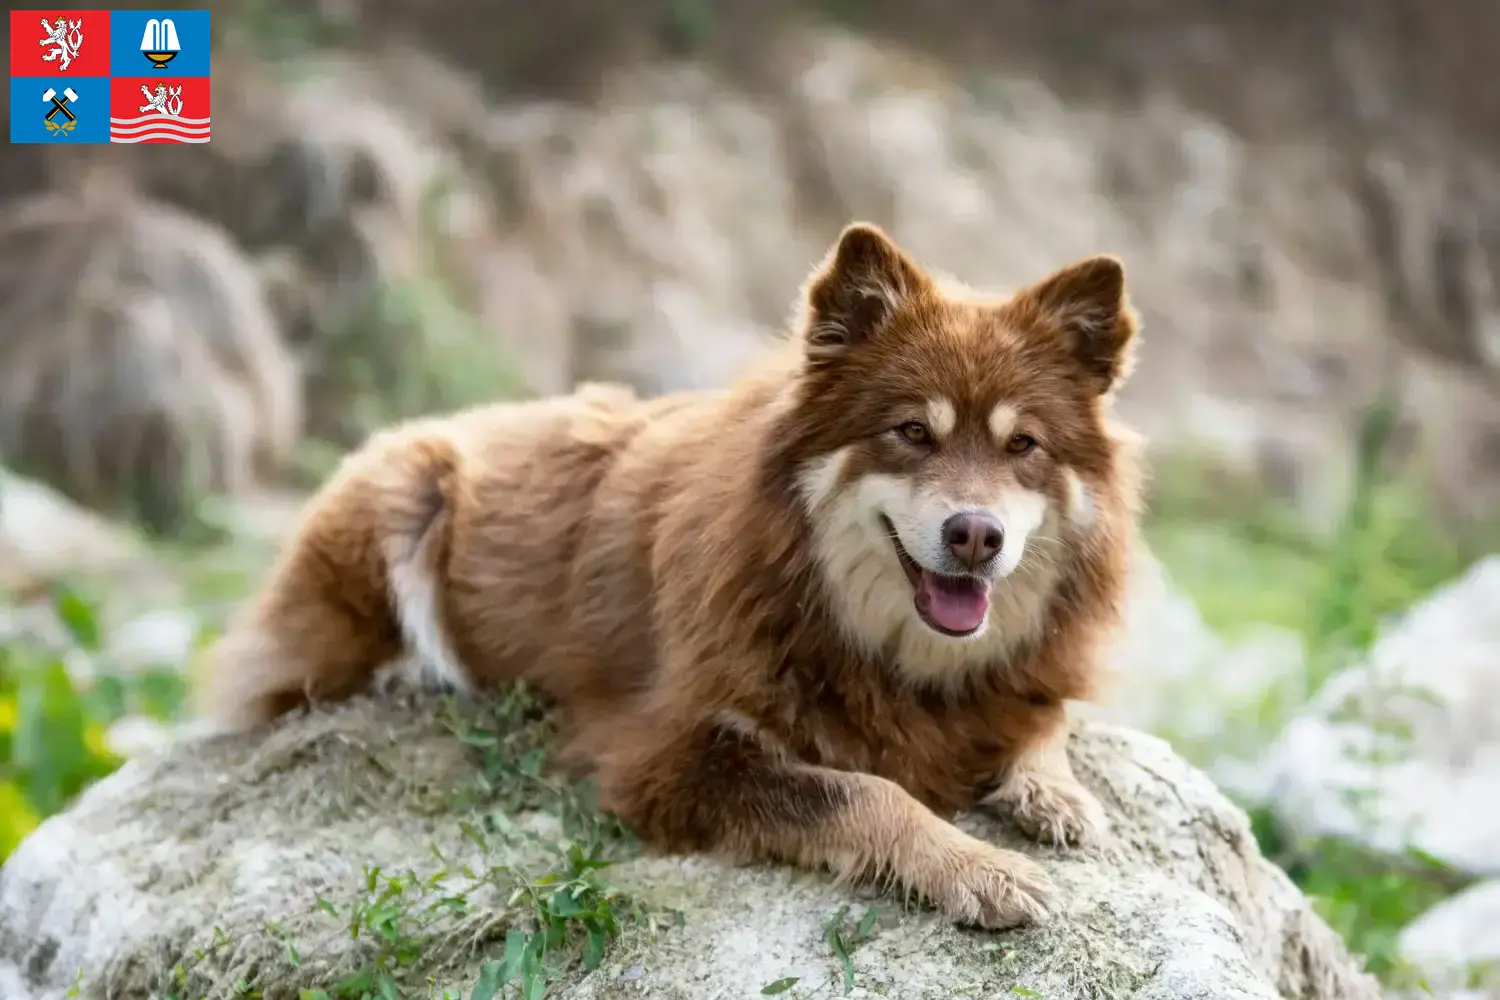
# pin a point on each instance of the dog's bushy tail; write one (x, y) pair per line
(357, 584)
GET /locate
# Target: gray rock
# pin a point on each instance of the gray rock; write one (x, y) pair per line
(214, 853)
(1458, 941)
(163, 639)
(43, 534)
(1404, 750)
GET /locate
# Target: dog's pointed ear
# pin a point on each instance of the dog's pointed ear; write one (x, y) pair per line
(1087, 301)
(864, 279)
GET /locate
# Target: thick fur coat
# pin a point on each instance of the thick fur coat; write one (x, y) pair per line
(805, 618)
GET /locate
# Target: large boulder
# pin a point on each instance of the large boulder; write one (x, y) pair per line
(1456, 945)
(1401, 751)
(238, 863)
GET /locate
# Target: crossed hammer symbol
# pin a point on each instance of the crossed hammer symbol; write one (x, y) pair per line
(68, 98)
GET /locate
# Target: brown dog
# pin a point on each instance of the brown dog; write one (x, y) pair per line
(805, 618)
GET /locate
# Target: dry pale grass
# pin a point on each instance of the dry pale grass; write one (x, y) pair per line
(141, 368)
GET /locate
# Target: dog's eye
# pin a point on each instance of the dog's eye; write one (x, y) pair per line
(1020, 444)
(915, 432)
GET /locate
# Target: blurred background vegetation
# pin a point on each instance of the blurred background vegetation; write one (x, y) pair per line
(411, 207)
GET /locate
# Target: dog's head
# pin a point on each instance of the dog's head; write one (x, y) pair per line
(950, 446)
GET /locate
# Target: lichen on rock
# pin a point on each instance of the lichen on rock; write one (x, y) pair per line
(246, 859)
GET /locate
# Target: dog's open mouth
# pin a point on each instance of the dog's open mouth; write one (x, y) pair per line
(952, 605)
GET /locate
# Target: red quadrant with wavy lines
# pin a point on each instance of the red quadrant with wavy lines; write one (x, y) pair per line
(159, 110)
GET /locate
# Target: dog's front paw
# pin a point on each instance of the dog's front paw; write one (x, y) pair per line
(1050, 809)
(980, 884)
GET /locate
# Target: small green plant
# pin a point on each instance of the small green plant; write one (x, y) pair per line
(559, 920)
(576, 914)
(844, 939)
(55, 709)
(510, 737)
(525, 928)
(573, 914)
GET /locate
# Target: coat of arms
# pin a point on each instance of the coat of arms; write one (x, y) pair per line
(65, 37)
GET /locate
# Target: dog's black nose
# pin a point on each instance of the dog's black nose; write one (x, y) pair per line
(974, 539)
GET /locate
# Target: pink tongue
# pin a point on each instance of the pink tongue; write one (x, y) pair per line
(957, 604)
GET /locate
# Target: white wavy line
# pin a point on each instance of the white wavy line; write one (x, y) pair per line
(126, 130)
(159, 135)
(133, 129)
(118, 137)
(148, 128)
(157, 117)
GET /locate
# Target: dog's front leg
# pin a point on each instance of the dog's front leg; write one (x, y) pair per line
(1039, 791)
(720, 785)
